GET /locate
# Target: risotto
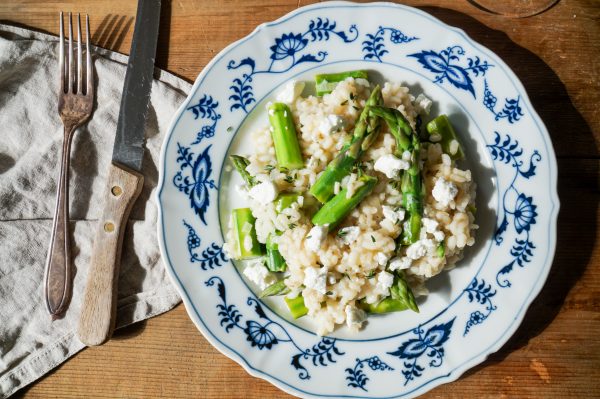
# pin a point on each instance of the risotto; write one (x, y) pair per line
(352, 204)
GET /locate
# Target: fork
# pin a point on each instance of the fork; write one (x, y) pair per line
(75, 107)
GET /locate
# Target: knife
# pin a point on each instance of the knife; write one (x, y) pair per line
(124, 183)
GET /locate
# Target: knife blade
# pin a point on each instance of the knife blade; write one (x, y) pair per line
(124, 182)
(128, 149)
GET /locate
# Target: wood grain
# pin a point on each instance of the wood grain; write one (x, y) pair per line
(556, 351)
(98, 310)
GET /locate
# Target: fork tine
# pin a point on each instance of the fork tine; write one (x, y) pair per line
(70, 54)
(89, 68)
(79, 57)
(61, 55)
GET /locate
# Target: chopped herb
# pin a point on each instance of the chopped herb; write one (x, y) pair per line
(230, 129)
(329, 293)
(342, 233)
(355, 107)
(269, 168)
(373, 239)
(344, 102)
(292, 226)
(289, 179)
(346, 275)
(351, 96)
(371, 274)
(308, 237)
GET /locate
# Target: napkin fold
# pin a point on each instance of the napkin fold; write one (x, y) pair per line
(31, 135)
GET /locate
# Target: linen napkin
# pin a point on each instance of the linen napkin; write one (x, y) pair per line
(31, 135)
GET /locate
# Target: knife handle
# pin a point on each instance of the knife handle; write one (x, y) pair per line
(98, 311)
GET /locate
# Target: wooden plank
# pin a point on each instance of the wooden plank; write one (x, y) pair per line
(555, 353)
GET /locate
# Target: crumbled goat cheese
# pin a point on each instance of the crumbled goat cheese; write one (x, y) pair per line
(316, 279)
(290, 92)
(248, 243)
(315, 237)
(264, 192)
(423, 104)
(336, 188)
(256, 272)
(420, 248)
(349, 234)
(390, 165)
(431, 225)
(330, 124)
(444, 191)
(385, 281)
(382, 259)
(400, 263)
(393, 214)
(407, 156)
(354, 316)
(439, 235)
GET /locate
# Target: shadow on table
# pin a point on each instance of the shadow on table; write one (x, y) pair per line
(577, 154)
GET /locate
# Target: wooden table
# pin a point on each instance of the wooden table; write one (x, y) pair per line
(556, 351)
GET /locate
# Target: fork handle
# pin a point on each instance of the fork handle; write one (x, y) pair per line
(57, 279)
(98, 312)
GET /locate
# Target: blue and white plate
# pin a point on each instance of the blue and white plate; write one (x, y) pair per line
(472, 310)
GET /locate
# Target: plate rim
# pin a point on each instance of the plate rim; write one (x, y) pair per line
(459, 370)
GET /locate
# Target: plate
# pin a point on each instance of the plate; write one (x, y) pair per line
(472, 310)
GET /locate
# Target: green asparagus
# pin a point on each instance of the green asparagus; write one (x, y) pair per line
(246, 243)
(325, 83)
(278, 288)
(440, 250)
(366, 130)
(285, 200)
(275, 261)
(340, 206)
(411, 184)
(240, 163)
(442, 128)
(387, 305)
(399, 127)
(401, 298)
(285, 139)
(296, 306)
(400, 291)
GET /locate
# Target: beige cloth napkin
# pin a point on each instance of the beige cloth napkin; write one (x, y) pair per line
(30, 143)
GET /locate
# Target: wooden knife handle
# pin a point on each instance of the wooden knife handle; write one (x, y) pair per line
(98, 311)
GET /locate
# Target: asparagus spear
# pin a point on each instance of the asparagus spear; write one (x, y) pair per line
(285, 200)
(339, 206)
(400, 291)
(401, 298)
(442, 127)
(366, 130)
(296, 306)
(275, 261)
(240, 163)
(440, 250)
(411, 184)
(399, 127)
(387, 305)
(412, 200)
(326, 82)
(246, 243)
(278, 288)
(283, 131)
